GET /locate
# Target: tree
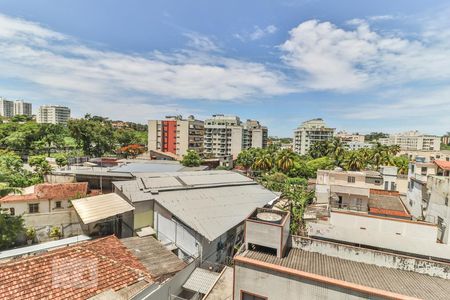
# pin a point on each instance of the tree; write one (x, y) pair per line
(92, 134)
(263, 161)
(40, 164)
(299, 198)
(285, 160)
(246, 159)
(323, 163)
(12, 172)
(402, 164)
(52, 135)
(319, 149)
(336, 150)
(353, 161)
(394, 149)
(61, 159)
(131, 150)
(375, 136)
(10, 228)
(191, 159)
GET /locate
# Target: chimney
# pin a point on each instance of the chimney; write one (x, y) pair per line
(268, 229)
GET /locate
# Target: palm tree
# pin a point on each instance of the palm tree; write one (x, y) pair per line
(263, 161)
(381, 156)
(285, 160)
(394, 149)
(318, 149)
(337, 150)
(246, 159)
(353, 161)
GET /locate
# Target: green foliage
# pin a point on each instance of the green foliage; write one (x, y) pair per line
(61, 159)
(30, 233)
(375, 136)
(40, 164)
(322, 163)
(12, 172)
(191, 159)
(92, 134)
(10, 228)
(55, 232)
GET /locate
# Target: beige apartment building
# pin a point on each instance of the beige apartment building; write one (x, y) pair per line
(310, 132)
(22, 108)
(53, 114)
(413, 140)
(176, 135)
(350, 137)
(6, 108)
(227, 135)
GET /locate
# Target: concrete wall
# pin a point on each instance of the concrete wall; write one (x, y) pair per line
(261, 234)
(403, 236)
(414, 198)
(439, 202)
(173, 286)
(378, 258)
(153, 135)
(276, 285)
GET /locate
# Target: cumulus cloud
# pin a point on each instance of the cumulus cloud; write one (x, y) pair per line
(58, 66)
(332, 58)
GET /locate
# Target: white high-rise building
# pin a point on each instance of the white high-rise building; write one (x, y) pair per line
(413, 140)
(53, 114)
(227, 135)
(6, 108)
(309, 132)
(22, 108)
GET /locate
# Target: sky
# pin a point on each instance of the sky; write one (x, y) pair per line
(362, 66)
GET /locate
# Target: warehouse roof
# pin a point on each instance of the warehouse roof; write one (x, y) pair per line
(358, 275)
(210, 202)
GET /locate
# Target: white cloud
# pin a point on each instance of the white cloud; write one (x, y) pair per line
(381, 18)
(59, 67)
(201, 42)
(257, 33)
(332, 58)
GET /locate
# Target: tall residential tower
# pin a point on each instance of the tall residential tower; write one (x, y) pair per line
(309, 132)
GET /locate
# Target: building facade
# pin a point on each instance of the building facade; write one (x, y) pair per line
(53, 114)
(310, 132)
(176, 135)
(6, 108)
(413, 140)
(228, 136)
(22, 108)
(350, 137)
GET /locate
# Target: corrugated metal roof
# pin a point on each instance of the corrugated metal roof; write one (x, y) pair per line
(210, 202)
(213, 211)
(388, 279)
(201, 280)
(100, 207)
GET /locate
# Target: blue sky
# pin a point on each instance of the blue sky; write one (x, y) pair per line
(361, 65)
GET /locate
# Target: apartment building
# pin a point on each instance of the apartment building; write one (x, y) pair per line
(6, 108)
(227, 135)
(413, 140)
(350, 137)
(277, 265)
(22, 108)
(309, 132)
(176, 135)
(53, 114)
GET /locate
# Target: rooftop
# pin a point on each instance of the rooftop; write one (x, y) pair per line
(443, 164)
(51, 191)
(106, 264)
(390, 205)
(159, 261)
(341, 272)
(210, 202)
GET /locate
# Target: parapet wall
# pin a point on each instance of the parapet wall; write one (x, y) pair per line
(378, 258)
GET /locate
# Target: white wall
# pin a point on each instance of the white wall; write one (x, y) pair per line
(398, 235)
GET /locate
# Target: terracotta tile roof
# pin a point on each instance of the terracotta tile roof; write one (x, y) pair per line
(79, 271)
(49, 191)
(443, 164)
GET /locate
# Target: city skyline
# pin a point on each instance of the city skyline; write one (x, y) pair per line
(383, 67)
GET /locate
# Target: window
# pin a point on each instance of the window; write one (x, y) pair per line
(446, 201)
(423, 171)
(58, 204)
(33, 208)
(251, 296)
(351, 179)
(12, 211)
